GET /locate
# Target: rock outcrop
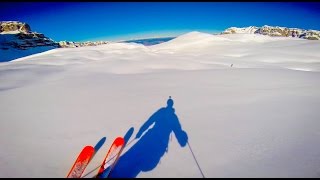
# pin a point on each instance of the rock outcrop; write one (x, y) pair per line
(276, 31)
(18, 35)
(71, 44)
(8, 26)
(18, 40)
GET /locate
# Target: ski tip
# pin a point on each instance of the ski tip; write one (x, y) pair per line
(88, 147)
(119, 141)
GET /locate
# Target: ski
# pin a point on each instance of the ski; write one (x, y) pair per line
(81, 162)
(111, 158)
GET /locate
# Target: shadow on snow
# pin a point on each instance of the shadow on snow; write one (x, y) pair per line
(153, 139)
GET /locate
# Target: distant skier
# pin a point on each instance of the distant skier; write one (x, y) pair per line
(147, 152)
(231, 65)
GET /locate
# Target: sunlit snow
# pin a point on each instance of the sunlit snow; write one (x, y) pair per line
(248, 103)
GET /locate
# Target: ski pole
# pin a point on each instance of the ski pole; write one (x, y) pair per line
(99, 166)
(195, 159)
(130, 142)
(136, 138)
(108, 160)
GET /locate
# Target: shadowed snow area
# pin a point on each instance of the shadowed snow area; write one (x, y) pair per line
(248, 103)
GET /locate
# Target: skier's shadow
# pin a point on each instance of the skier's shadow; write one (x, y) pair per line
(146, 153)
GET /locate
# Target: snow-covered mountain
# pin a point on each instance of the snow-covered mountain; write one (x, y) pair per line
(249, 104)
(71, 44)
(14, 26)
(276, 31)
(17, 40)
(247, 30)
(18, 35)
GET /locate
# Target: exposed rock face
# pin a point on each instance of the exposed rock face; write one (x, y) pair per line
(17, 40)
(276, 31)
(234, 30)
(7, 26)
(18, 35)
(70, 44)
(25, 41)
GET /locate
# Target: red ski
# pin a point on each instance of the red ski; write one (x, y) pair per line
(111, 157)
(81, 163)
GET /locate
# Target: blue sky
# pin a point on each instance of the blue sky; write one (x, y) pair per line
(82, 21)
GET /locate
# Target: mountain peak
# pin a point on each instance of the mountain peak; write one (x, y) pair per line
(14, 26)
(275, 31)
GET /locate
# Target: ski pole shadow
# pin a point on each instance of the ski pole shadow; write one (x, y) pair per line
(127, 136)
(103, 139)
(96, 149)
(99, 144)
(153, 139)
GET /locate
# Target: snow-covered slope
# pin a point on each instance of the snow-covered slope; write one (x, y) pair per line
(258, 118)
(190, 40)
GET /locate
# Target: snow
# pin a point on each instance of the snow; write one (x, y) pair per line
(7, 52)
(244, 30)
(259, 118)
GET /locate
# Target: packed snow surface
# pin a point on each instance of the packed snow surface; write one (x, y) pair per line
(248, 103)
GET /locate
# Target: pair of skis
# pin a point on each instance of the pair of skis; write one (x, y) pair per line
(107, 165)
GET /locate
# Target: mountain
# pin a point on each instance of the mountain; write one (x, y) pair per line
(246, 30)
(18, 35)
(71, 44)
(199, 41)
(276, 31)
(10, 26)
(249, 104)
(18, 40)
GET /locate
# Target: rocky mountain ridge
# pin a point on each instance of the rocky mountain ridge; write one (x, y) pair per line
(71, 44)
(276, 31)
(18, 35)
(18, 40)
